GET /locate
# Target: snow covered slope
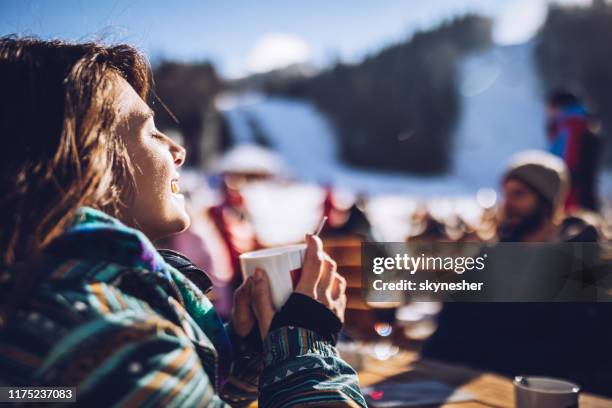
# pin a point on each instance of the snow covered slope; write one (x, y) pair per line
(501, 114)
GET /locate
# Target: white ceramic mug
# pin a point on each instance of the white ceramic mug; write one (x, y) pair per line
(283, 266)
(544, 392)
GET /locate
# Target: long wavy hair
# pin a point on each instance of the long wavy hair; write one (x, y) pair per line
(58, 112)
(58, 104)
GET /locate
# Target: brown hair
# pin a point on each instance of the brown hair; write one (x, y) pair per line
(57, 113)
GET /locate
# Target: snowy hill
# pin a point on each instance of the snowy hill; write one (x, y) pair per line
(501, 114)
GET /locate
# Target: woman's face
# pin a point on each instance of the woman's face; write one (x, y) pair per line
(156, 208)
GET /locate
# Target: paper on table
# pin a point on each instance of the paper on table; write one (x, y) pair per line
(393, 394)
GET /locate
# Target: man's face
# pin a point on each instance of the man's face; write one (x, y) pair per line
(519, 202)
(522, 211)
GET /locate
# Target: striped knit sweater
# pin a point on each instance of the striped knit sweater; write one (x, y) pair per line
(111, 318)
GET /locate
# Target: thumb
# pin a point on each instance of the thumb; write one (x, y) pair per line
(242, 295)
(242, 316)
(260, 291)
(263, 308)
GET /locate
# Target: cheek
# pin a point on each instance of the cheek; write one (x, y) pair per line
(525, 203)
(152, 171)
(514, 207)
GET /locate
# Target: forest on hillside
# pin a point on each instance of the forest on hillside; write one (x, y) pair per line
(396, 109)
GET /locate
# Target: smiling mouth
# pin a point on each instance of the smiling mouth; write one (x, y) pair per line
(174, 187)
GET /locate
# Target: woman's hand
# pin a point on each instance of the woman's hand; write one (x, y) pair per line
(243, 318)
(320, 279)
(253, 304)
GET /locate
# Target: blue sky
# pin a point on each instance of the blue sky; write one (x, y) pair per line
(251, 36)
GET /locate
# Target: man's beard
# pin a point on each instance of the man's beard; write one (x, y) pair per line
(529, 223)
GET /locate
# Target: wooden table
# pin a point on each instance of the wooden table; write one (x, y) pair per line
(490, 390)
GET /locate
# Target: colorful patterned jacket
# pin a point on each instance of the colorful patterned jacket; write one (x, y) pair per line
(110, 317)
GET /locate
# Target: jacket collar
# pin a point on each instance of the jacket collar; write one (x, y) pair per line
(96, 237)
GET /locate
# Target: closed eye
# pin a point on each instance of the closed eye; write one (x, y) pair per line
(157, 135)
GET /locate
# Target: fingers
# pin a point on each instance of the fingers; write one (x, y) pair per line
(262, 301)
(339, 296)
(326, 282)
(339, 286)
(320, 279)
(340, 307)
(311, 271)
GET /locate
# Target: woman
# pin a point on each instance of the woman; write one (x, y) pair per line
(87, 182)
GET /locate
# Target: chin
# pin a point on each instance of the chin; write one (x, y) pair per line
(171, 222)
(186, 222)
(180, 222)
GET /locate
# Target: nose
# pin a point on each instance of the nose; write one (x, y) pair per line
(178, 153)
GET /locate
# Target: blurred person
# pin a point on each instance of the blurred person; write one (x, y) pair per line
(572, 136)
(231, 219)
(428, 229)
(86, 301)
(232, 231)
(569, 340)
(534, 189)
(345, 214)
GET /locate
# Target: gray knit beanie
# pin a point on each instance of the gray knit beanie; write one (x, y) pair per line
(545, 173)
